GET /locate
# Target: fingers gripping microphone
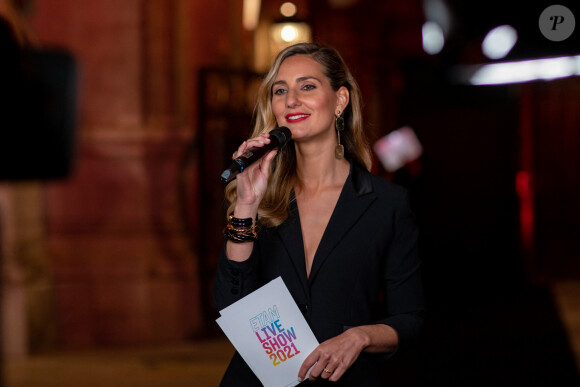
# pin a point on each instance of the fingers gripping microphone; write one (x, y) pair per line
(278, 138)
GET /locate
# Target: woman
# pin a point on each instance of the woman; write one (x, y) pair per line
(343, 240)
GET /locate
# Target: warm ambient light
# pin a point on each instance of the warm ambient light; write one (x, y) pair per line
(288, 9)
(499, 41)
(251, 14)
(433, 38)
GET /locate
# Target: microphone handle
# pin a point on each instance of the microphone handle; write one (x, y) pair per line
(278, 137)
(245, 160)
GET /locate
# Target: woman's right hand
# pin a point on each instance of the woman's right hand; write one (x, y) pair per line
(253, 181)
(250, 189)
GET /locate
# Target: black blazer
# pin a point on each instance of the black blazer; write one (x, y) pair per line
(366, 271)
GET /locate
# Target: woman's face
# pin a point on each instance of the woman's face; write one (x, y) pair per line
(304, 101)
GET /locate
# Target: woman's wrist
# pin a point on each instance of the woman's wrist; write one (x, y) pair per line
(375, 338)
(361, 339)
(244, 211)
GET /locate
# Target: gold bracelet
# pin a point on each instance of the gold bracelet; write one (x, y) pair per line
(240, 230)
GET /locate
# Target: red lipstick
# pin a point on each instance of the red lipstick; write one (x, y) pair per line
(296, 117)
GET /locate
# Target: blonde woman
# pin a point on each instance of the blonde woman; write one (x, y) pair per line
(343, 240)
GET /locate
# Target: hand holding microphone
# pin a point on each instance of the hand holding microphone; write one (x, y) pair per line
(251, 185)
(278, 138)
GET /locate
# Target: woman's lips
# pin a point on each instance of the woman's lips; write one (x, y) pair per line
(296, 117)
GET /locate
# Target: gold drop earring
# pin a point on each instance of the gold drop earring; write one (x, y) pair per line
(339, 123)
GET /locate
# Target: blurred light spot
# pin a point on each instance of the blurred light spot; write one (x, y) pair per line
(499, 42)
(433, 39)
(398, 148)
(437, 11)
(285, 33)
(251, 14)
(288, 9)
(526, 71)
(289, 33)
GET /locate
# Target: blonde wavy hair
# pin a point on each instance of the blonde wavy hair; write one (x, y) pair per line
(273, 209)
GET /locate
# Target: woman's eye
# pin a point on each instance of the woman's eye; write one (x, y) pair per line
(279, 91)
(309, 87)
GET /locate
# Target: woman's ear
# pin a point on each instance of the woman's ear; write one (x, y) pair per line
(342, 98)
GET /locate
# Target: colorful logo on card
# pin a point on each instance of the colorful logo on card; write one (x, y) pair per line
(277, 340)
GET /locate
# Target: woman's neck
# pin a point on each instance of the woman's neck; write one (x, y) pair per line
(317, 169)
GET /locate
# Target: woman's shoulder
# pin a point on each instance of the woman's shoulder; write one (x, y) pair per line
(380, 186)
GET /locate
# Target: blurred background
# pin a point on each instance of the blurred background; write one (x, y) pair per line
(117, 118)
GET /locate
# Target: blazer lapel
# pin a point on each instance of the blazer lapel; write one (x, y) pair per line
(355, 198)
(290, 232)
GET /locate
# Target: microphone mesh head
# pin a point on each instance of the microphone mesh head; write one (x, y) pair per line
(281, 134)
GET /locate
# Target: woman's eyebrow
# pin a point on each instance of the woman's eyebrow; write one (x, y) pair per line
(299, 79)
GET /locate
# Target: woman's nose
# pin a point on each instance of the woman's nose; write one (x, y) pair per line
(291, 99)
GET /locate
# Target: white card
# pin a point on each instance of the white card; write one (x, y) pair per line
(268, 330)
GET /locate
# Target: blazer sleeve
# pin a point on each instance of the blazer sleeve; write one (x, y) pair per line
(234, 280)
(403, 289)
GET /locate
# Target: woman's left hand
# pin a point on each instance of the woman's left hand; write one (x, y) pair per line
(333, 357)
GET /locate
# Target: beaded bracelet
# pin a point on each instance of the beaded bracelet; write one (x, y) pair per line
(240, 230)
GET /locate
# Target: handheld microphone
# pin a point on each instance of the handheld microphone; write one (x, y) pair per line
(278, 138)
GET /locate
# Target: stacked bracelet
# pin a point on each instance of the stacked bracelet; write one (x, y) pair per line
(240, 230)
